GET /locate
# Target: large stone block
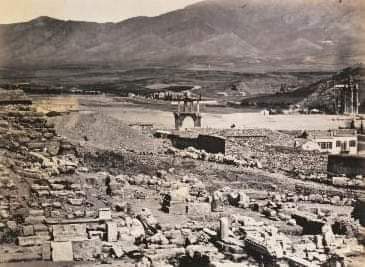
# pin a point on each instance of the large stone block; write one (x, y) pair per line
(177, 208)
(46, 251)
(105, 214)
(62, 251)
(199, 208)
(19, 255)
(28, 241)
(28, 230)
(112, 232)
(76, 201)
(86, 250)
(53, 148)
(69, 232)
(34, 219)
(34, 212)
(35, 145)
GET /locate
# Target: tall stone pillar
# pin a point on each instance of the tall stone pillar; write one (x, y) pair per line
(178, 123)
(224, 228)
(345, 100)
(357, 99)
(352, 100)
(198, 122)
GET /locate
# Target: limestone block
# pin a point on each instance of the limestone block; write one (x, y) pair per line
(137, 229)
(28, 230)
(105, 214)
(75, 201)
(224, 228)
(62, 251)
(12, 225)
(46, 251)
(28, 241)
(112, 232)
(87, 250)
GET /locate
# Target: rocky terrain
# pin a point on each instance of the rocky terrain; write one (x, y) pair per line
(101, 180)
(126, 204)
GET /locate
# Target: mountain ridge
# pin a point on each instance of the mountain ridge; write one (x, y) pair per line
(213, 32)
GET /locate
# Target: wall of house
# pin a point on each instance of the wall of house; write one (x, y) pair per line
(338, 149)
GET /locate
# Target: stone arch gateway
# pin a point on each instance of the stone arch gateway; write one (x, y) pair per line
(189, 107)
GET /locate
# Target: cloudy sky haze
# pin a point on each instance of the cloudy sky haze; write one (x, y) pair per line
(86, 10)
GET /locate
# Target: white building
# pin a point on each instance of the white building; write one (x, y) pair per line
(335, 141)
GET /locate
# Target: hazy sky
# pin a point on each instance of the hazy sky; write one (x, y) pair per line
(89, 10)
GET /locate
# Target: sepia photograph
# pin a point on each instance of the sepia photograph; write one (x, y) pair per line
(182, 133)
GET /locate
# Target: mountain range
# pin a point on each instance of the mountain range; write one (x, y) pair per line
(214, 33)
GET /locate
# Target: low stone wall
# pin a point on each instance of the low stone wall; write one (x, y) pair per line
(13, 97)
(182, 142)
(212, 143)
(209, 143)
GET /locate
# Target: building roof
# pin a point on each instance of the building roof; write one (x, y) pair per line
(331, 134)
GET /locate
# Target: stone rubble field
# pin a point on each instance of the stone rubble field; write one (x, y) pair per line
(130, 199)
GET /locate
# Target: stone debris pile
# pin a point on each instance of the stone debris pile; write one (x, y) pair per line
(262, 148)
(264, 242)
(196, 154)
(65, 225)
(284, 158)
(31, 145)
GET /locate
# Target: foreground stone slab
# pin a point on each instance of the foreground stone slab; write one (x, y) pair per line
(62, 251)
(46, 251)
(112, 232)
(105, 214)
(28, 241)
(87, 250)
(69, 232)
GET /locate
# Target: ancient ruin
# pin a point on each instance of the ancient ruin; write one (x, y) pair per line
(58, 205)
(187, 107)
(227, 133)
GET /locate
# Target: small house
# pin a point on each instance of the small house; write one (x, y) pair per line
(342, 141)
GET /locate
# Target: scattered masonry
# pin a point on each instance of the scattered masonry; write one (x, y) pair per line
(54, 208)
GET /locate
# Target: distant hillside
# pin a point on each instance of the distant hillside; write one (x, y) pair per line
(321, 94)
(316, 95)
(299, 34)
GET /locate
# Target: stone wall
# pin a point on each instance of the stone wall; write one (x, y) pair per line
(11, 97)
(212, 143)
(31, 153)
(31, 142)
(209, 143)
(345, 164)
(182, 142)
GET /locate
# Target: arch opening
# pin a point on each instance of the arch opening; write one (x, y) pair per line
(188, 123)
